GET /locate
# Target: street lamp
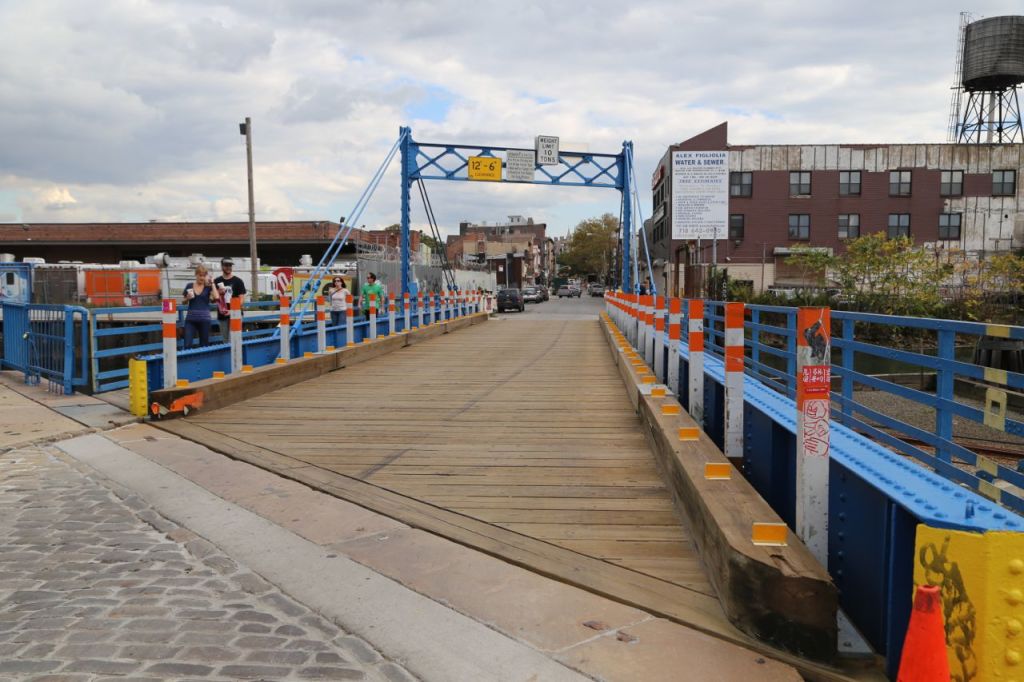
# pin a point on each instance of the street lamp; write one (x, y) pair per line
(245, 129)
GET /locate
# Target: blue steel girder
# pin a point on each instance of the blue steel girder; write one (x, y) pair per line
(431, 161)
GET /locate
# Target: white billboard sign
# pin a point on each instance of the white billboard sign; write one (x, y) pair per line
(700, 195)
(519, 165)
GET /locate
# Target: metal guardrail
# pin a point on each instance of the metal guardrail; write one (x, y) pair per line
(47, 341)
(767, 342)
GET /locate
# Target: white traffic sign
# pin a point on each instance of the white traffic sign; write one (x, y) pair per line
(700, 195)
(519, 165)
(547, 150)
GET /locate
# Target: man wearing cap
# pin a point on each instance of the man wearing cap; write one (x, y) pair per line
(229, 286)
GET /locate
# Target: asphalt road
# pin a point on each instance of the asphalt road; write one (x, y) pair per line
(583, 308)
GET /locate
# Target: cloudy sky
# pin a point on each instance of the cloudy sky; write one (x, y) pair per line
(129, 109)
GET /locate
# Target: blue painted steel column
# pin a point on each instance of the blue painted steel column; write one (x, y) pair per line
(406, 136)
(944, 379)
(847, 378)
(69, 350)
(627, 218)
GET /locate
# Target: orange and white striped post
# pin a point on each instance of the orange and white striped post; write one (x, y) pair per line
(813, 429)
(407, 311)
(321, 326)
(373, 316)
(350, 321)
(391, 315)
(169, 318)
(674, 323)
(285, 327)
(419, 306)
(734, 380)
(649, 330)
(695, 343)
(659, 337)
(235, 334)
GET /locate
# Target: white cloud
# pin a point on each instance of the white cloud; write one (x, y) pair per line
(128, 109)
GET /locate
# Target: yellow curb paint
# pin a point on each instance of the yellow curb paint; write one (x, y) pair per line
(769, 534)
(717, 471)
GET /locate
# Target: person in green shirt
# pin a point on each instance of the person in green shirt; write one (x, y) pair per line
(371, 287)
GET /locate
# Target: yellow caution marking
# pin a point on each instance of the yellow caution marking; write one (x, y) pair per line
(769, 534)
(718, 471)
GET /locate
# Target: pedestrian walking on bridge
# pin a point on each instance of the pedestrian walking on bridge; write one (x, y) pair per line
(371, 287)
(339, 301)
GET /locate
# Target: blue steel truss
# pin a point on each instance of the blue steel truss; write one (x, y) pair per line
(435, 161)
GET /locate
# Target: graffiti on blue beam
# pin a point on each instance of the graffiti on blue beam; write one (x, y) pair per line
(574, 169)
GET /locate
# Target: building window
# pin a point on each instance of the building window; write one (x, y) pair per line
(849, 225)
(949, 225)
(899, 225)
(899, 183)
(741, 184)
(1004, 183)
(849, 183)
(799, 226)
(952, 184)
(799, 183)
(736, 225)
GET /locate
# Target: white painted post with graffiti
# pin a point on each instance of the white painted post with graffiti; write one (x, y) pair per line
(813, 385)
(674, 322)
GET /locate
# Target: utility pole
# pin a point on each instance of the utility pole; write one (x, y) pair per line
(246, 129)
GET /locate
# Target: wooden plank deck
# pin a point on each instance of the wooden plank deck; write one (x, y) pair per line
(513, 434)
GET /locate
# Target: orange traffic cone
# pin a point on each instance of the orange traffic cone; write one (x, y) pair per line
(924, 649)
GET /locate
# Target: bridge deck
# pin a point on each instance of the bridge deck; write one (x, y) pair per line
(512, 436)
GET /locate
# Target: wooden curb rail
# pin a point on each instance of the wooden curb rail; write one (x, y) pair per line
(215, 393)
(777, 593)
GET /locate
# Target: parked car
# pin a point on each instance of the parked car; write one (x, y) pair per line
(576, 291)
(510, 299)
(597, 289)
(564, 290)
(532, 295)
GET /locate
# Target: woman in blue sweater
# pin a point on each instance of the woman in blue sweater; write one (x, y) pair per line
(198, 295)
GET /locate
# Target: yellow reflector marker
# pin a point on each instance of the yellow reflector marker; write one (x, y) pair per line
(717, 471)
(689, 433)
(996, 376)
(280, 361)
(658, 392)
(670, 409)
(1000, 330)
(308, 354)
(246, 368)
(769, 534)
(218, 375)
(647, 380)
(330, 349)
(182, 383)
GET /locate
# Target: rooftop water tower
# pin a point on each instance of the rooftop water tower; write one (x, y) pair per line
(990, 69)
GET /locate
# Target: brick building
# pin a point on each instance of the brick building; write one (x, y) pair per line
(519, 245)
(964, 196)
(279, 243)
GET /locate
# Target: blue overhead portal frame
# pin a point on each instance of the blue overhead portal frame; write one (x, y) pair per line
(435, 161)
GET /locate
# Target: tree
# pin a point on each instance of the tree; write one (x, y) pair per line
(433, 244)
(591, 247)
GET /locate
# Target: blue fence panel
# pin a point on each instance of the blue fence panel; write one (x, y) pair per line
(47, 341)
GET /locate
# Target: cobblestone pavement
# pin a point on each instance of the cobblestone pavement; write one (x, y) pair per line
(94, 585)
